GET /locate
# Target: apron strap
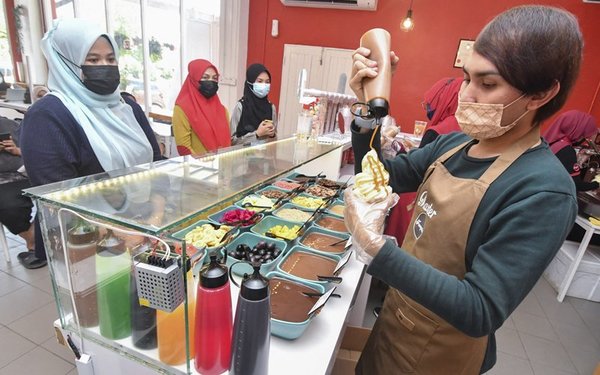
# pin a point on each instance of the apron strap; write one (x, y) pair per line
(443, 159)
(509, 156)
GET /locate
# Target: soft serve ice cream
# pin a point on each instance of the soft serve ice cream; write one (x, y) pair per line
(372, 184)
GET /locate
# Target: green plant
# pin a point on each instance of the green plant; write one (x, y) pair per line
(155, 50)
(18, 12)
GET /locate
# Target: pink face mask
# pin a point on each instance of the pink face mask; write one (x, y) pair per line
(484, 121)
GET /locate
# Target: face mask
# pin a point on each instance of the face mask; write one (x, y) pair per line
(101, 79)
(484, 121)
(261, 89)
(208, 88)
(430, 111)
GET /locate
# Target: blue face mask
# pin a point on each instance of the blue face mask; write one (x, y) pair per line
(261, 89)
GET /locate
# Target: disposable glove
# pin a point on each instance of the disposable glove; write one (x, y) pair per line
(365, 221)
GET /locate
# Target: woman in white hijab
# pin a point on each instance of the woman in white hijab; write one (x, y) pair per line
(83, 126)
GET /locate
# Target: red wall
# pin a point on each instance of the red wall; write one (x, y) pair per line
(426, 53)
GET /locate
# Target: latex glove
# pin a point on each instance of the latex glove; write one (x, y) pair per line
(365, 221)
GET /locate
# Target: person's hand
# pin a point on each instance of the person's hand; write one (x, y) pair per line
(265, 128)
(365, 221)
(10, 147)
(362, 68)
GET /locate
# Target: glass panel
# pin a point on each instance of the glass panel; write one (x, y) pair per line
(201, 40)
(164, 54)
(110, 288)
(164, 195)
(6, 66)
(94, 11)
(64, 9)
(201, 23)
(125, 19)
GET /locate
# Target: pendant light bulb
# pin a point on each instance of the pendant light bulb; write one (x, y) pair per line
(407, 23)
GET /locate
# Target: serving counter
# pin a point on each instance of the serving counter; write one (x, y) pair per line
(102, 231)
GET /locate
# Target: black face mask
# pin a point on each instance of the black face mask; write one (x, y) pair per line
(101, 79)
(430, 111)
(208, 88)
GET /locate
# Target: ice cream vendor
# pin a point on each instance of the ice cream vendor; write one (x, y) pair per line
(493, 204)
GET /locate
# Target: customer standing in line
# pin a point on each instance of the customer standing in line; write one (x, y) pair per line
(200, 121)
(254, 116)
(82, 126)
(493, 203)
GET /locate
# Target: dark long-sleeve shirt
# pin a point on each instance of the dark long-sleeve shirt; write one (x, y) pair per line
(520, 224)
(568, 158)
(55, 148)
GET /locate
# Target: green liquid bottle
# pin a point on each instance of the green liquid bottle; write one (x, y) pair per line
(113, 272)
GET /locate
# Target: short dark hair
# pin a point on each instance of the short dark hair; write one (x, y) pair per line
(533, 47)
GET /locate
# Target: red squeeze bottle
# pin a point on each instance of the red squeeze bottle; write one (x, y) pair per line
(213, 320)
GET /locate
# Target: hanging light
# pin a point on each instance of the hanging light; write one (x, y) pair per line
(408, 22)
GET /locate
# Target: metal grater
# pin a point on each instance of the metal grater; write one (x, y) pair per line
(159, 282)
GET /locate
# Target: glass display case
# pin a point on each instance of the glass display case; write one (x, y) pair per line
(121, 278)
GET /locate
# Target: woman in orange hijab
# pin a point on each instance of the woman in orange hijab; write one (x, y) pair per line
(200, 122)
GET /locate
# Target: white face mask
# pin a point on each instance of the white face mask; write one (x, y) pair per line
(261, 89)
(482, 120)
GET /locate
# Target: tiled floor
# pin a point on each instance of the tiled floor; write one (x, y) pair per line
(27, 313)
(542, 336)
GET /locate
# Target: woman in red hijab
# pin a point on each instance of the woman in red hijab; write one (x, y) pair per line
(440, 103)
(200, 122)
(570, 129)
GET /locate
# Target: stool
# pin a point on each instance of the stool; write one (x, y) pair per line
(590, 230)
(4, 244)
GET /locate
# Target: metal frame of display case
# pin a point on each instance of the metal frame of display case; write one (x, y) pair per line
(188, 189)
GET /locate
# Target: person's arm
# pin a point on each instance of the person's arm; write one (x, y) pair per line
(50, 144)
(236, 116)
(429, 136)
(11, 147)
(182, 131)
(506, 267)
(142, 120)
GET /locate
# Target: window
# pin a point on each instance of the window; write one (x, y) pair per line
(173, 37)
(6, 62)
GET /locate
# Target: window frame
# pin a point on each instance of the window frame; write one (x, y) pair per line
(233, 40)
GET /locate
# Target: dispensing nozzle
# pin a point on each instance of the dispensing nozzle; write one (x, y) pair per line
(378, 108)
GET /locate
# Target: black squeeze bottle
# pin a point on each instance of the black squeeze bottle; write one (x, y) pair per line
(252, 326)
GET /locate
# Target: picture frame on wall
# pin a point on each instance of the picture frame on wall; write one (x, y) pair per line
(463, 53)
